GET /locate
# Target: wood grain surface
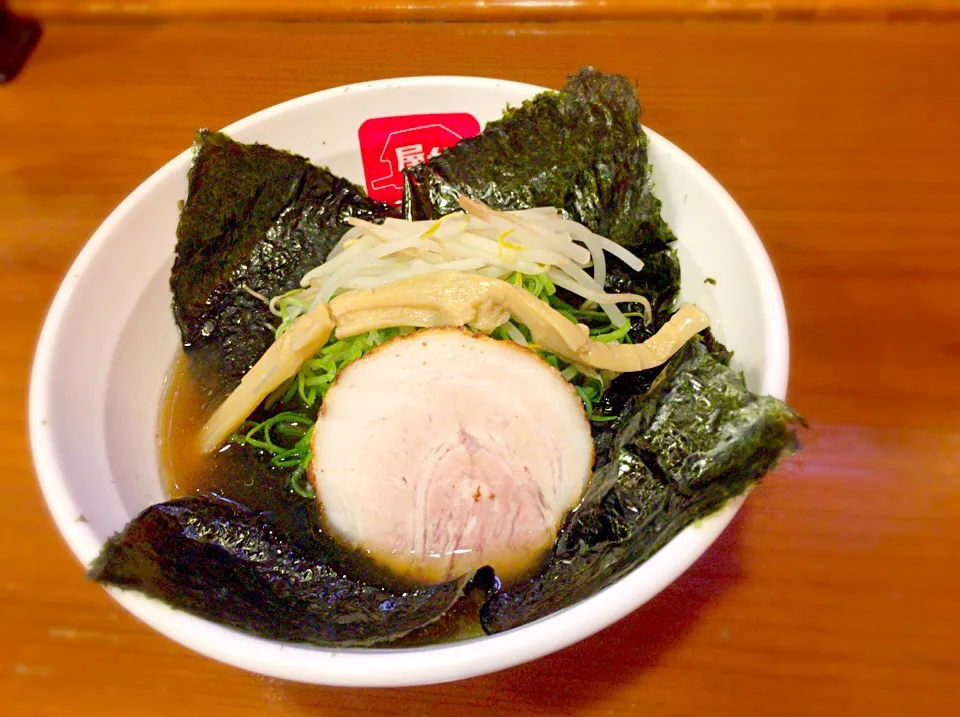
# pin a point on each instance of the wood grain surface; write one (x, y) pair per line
(487, 10)
(834, 592)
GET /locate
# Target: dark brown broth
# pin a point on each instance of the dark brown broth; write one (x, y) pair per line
(232, 473)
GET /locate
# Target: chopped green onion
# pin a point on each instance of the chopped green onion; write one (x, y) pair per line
(300, 486)
(586, 398)
(548, 285)
(286, 437)
(615, 335)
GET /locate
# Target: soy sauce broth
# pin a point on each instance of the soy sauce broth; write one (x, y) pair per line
(235, 474)
(232, 473)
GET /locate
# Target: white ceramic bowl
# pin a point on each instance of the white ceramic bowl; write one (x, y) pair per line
(109, 340)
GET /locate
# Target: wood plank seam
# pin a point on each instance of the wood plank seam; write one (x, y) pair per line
(494, 10)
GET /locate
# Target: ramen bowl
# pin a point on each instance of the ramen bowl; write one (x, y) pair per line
(109, 341)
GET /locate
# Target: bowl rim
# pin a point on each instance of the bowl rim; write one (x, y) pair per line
(391, 667)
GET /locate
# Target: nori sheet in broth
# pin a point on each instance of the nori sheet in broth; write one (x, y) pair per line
(219, 561)
(697, 439)
(254, 217)
(582, 150)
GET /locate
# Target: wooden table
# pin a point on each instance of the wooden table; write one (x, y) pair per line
(835, 591)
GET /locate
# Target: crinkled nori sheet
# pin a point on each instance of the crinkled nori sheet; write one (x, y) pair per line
(256, 219)
(219, 561)
(695, 440)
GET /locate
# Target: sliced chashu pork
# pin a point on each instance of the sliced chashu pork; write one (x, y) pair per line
(443, 451)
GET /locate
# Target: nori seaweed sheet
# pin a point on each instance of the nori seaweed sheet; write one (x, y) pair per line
(254, 217)
(582, 150)
(697, 439)
(218, 561)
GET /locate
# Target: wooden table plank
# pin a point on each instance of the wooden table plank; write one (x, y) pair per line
(491, 10)
(833, 593)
